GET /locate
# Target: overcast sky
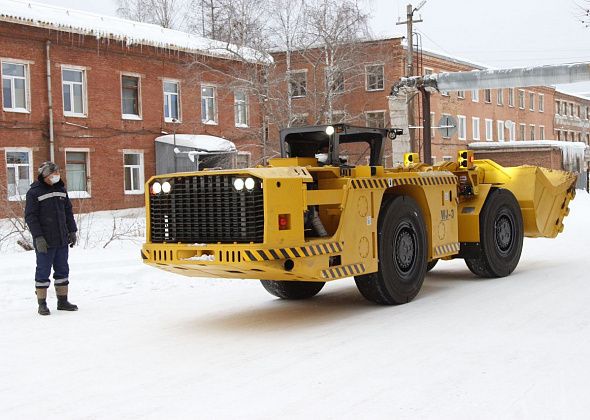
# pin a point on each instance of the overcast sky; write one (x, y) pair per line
(496, 33)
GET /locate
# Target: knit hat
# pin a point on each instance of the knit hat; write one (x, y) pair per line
(47, 168)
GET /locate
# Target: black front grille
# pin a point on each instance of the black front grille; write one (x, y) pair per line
(207, 209)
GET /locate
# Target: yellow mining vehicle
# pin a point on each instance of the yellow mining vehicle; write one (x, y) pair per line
(311, 217)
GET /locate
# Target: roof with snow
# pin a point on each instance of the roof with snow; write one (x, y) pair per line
(127, 31)
(201, 142)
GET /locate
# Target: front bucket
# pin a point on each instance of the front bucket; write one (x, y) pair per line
(543, 195)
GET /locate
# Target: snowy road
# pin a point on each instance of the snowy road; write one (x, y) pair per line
(150, 345)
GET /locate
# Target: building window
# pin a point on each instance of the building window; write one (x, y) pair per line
(487, 95)
(557, 107)
(511, 97)
(133, 166)
(489, 129)
(171, 101)
(511, 130)
(475, 95)
(375, 119)
(461, 94)
(571, 110)
(375, 77)
(299, 120)
(447, 158)
(73, 86)
(130, 97)
(19, 173)
(475, 128)
(500, 97)
(447, 124)
(541, 102)
(298, 84)
(532, 131)
(579, 111)
(462, 127)
(531, 101)
(500, 127)
(77, 174)
(564, 108)
(428, 71)
(337, 85)
(522, 129)
(15, 93)
(209, 105)
(541, 132)
(521, 99)
(243, 160)
(241, 108)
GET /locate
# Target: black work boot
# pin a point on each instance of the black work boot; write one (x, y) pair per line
(42, 301)
(62, 299)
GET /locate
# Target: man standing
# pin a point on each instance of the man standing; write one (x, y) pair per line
(48, 214)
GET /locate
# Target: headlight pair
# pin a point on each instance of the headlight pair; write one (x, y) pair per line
(165, 187)
(241, 183)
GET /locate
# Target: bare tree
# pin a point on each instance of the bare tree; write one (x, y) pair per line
(165, 13)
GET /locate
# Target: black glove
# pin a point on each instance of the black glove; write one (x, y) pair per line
(41, 244)
(72, 239)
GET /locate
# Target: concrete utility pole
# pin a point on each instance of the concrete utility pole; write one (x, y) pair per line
(410, 10)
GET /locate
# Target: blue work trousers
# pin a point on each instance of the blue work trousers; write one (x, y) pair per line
(56, 258)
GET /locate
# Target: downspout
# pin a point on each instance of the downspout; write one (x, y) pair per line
(50, 104)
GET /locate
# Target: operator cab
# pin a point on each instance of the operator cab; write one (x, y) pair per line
(336, 141)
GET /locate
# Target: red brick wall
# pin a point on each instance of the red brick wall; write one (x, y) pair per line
(107, 134)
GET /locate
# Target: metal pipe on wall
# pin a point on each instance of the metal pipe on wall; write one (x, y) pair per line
(50, 103)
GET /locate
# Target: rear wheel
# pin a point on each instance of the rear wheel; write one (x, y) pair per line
(292, 289)
(402, 254)
(501, 236)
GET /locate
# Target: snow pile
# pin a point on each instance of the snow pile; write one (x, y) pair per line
(204, 257)
(127, 31)
(202, 142)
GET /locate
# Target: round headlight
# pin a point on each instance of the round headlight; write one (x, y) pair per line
(250, 184)
(239, 184)
(156, 188)
(329, 130)
(166, 187)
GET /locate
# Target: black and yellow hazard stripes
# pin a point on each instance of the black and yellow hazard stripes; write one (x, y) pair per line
(377, 183)
(343, 271)
(293, 252)
(446, 249)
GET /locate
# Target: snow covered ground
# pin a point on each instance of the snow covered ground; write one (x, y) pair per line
(147, 344)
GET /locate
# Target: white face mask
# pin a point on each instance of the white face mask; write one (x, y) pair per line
(54, 179)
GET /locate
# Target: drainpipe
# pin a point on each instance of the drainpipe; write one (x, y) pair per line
(50, 104)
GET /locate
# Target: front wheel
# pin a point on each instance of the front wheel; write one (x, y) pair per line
(501, 236)
(292, 290)
(402, 254)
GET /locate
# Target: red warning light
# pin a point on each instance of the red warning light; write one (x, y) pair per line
(284, 221)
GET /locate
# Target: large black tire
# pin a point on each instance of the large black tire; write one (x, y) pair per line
(501, 234)
(403, 255)
(292, 289)
(431, 264)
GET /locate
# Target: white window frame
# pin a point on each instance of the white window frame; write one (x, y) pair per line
(73, 193)
(489, 129)
(445, 130)
(500, 128)
(377, 111)
(460, 94)
(487, 96)
(462, 127)
(500, 97)
(382, 65)
(521, 94)
(541, 132)
(205, 105)
(84, 113)
(541, 105)
(532, 129)
(511, 97)
(475, 128)
(292, 73)
(29, 151)
(447, 158)
(557, 107)
(140, 167)
(167, 96)
(531, 101)
(139, 115)
(27, 78)
(511, 131)
(475, 95)
(241, 103)
(522, 131)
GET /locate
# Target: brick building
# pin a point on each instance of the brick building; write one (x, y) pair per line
(572, 117)
(116, 86)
